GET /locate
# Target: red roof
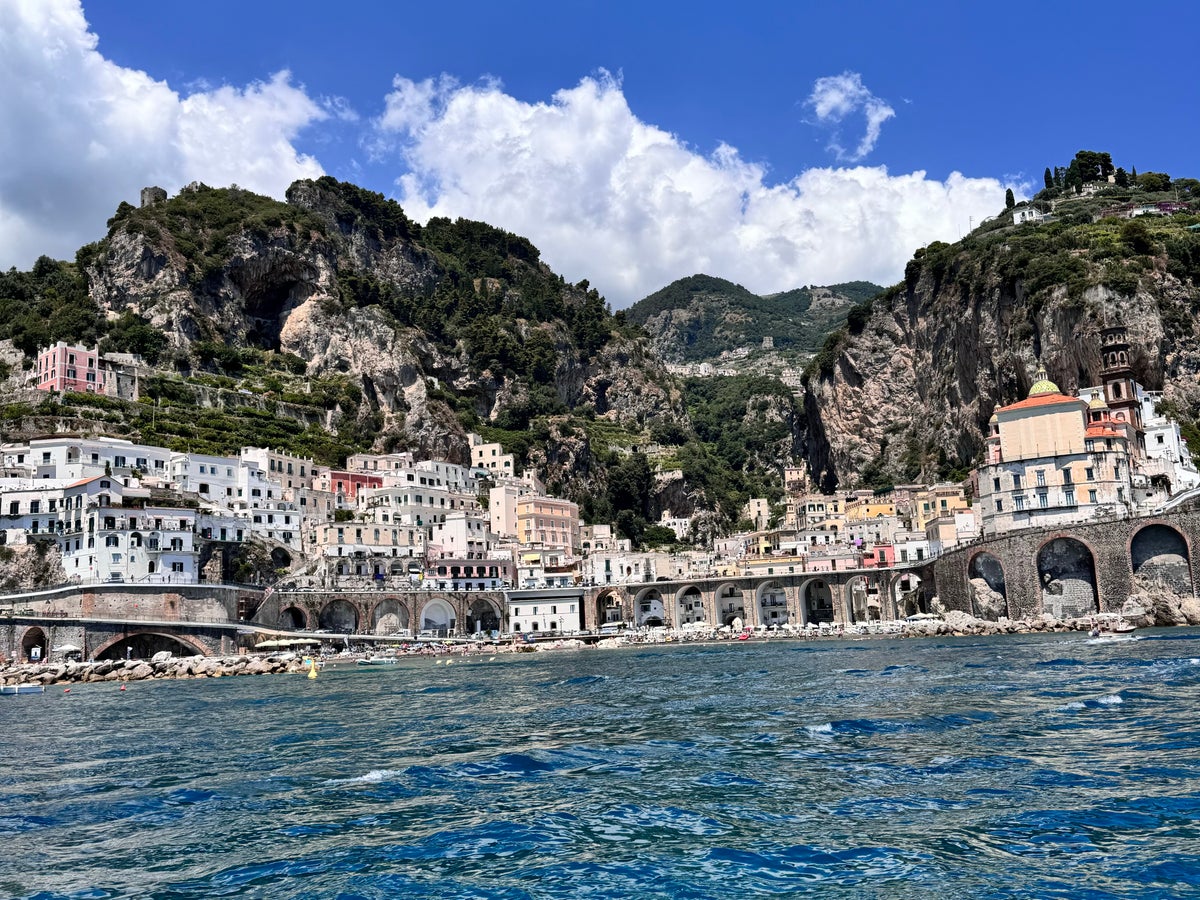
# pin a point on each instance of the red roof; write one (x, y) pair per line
(1043, 400)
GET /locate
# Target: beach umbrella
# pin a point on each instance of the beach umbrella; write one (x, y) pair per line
(270, 644)
(65, 648)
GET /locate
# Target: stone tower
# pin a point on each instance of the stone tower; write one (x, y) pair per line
(1120, 390)
(153, 195)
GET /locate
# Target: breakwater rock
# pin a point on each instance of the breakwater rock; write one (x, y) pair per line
(162, 665)
(954, 622)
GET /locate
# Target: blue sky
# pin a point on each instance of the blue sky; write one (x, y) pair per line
(774, 144)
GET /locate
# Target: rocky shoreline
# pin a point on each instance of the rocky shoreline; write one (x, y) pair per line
(162, 665)
(166, 666)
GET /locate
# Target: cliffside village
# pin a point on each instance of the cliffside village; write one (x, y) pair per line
(118, 511)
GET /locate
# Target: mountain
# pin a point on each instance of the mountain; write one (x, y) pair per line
(905, 391)
(695, 319)
(331, 323)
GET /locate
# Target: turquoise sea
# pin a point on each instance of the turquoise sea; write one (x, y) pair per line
(1028, 766)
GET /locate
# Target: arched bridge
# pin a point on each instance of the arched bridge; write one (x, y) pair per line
(1070, 572)
(859, 595)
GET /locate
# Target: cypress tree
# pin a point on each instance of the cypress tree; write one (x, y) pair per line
(1048, 179)
(1009, 200)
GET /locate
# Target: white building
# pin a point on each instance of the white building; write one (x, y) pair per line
(558, 611)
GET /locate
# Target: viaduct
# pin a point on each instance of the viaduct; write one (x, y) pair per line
(1068, 572)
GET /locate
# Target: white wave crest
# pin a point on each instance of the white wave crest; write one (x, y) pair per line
(373, 777)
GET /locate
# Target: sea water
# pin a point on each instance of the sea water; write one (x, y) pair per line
(1023, 766)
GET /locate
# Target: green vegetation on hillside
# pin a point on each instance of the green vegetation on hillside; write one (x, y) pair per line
(716, 315)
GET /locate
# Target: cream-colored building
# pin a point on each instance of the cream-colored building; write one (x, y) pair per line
(937, 501)
(1052, 460)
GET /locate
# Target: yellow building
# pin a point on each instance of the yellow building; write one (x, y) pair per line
(1052, 459)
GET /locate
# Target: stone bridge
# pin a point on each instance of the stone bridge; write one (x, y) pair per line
(109, 621)
(384, 612)
(852, 596)
(1069, 572)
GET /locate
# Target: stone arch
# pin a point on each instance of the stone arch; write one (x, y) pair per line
(144, 644)
(905, 595)
(438, 616)
(280, 558)
(772, 603)
(608, 607)
(34, 639)
(484, 616)
(1067, 574)
(816, 600)
(689, 605)
(730, 603)
(649, 609)
(1158, 552)
(862, 600)
(985, 575)
(293, 617)
(339, 616)
(389, 616)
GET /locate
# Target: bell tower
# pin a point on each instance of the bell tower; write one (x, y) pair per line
(1120, 390)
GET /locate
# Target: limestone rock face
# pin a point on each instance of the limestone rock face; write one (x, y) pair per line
(913, 391)
(26, 567)
(334, 277)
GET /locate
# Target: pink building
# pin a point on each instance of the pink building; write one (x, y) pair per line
(879, 556)
(346, 484)
(63, 368)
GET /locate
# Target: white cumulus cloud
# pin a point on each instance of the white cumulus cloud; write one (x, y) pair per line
(632, 207)
(834, 98)
(79, 134)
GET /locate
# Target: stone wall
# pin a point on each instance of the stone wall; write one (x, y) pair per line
(1160, 546)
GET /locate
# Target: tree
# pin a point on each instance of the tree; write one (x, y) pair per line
(1122, 178)
(1154, 181)
(1136, 236)
(1009, 200)
(1048, 178)
(1093, 166)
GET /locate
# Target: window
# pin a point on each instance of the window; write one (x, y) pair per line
(1016, 482)
(999, 505)
(1041, 477)
(1091, 496)
(1069, 496)
(1043, 499)
(1089, 473)
(995, 487)
(1019, 502)
(1067, 476)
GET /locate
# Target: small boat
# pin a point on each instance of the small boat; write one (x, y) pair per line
(1111, 625)
(376, 661)
(13, 689)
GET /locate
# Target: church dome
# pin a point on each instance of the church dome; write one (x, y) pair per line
(1043, 385)
(1097, 401)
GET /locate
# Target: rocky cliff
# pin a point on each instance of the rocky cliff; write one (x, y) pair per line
(428, 322)
(906, 391)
